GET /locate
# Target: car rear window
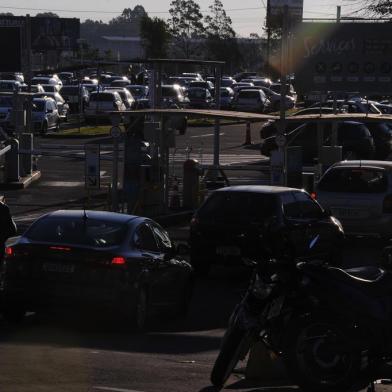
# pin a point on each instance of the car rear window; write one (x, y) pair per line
(102, 97)
(88, 232)
(249, 94)
(354, 180)
(238, 207)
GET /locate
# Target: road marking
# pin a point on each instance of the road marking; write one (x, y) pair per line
(207, 135)
(115, 389)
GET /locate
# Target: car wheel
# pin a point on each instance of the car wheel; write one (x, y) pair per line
(141, 311)
(44, 129)
(14, 315)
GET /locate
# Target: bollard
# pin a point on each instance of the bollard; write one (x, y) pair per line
(26, 160)
(248, 135)
(12, 161)
(190, 191)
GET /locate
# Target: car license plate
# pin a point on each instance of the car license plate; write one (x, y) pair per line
(276, 307)
(228, 251)
(60, 268)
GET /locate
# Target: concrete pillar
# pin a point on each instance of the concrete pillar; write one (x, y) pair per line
(191, 184)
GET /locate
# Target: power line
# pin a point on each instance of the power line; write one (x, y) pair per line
(109, 12)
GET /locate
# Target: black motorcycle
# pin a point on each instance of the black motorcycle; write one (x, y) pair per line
(332, 327)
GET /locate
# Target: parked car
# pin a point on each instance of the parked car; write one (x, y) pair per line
(251, 101)
(354, 137)
(203, 84)
(66, 77)
(10, 86)
(51, 88)
(100, 104)
(193, 75)
(290, 91)
(34, 88)
(95, 260)
(240, 221)
(125, 95)
(120, 83)
(46, 80)
(200, 98)
(73, 95)
(258, 82)
(359, 194)
(62, 106)
(174, 94)
(226, 98)
(274, 98)
(351, 106)
(45, 115)
(244, 75)
(140, 93)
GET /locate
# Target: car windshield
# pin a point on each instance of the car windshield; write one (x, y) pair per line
(354, 180)
(38, 106)
(237, 207)
(6, 102)
(101, 97)
(78, 231)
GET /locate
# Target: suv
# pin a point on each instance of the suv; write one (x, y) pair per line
(45, 115)
(359, 193)
(244, 221)
(101, 103)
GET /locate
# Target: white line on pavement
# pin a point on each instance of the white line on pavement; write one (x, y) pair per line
(115, 389)
(207, 135)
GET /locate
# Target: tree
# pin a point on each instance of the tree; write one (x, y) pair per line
(221, 43)
(218, 24)
(185, 25)
(130, 15)
(47, 15)
(155, 34)
(6, 14)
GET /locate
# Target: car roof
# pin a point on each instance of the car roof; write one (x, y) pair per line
(364, 163)
(106, 215)
(258, 189)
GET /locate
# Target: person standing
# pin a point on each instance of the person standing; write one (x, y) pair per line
(7, 226)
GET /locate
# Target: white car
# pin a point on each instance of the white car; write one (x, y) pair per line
(101, 103)
(359, 194)
(251, 101)
(46, 80)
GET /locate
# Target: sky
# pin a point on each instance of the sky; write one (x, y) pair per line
(247, 15)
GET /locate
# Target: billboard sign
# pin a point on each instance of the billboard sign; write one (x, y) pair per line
(276, 10)
(343, 57)
(11, 46)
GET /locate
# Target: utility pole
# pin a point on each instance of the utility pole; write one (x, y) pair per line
(338, 13)
(29, 73)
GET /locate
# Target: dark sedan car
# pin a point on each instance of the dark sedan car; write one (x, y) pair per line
(94, 260)
(200, 98)
(255, 221)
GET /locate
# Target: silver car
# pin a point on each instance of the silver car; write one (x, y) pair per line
(359, 194)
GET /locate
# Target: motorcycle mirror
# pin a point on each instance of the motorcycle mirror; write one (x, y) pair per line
(314, 241)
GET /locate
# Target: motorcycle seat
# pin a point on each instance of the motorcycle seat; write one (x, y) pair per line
(368, 277)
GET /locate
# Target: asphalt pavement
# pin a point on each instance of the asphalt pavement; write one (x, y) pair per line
(65, 352)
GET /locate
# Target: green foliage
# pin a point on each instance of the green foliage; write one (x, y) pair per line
(218, 24)
(379, 7)
(155, 34)
(47, 15)
(185, 25)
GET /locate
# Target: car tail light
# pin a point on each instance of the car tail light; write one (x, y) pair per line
(9, 251)
(387, 204)
(118, 260)
(313, 195)
(61, 248)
